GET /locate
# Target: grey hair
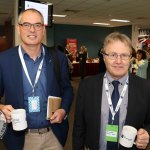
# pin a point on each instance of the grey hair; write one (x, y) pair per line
(116, 36)
(31, 10)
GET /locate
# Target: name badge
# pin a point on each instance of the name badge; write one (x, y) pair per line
(34, 104)
(111, 133)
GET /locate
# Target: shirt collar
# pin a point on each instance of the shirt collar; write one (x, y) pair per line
(121, 80)
(25, 54)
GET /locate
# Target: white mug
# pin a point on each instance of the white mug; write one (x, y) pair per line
(128, 136)
(19, 119)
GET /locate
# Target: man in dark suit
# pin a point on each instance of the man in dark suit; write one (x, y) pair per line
(95, 115)
(102, 67)
(82, 61)
(27, 78)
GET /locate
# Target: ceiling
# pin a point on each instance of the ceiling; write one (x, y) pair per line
(85, 12)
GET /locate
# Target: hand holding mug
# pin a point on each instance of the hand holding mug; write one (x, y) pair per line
(142, 139)
(7, 109)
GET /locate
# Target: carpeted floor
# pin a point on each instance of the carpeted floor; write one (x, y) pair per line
(75, 83)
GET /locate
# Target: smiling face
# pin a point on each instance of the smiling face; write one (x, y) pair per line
(118, 67)
(31, 36)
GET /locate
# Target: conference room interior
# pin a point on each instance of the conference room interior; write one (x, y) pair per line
(90, 36)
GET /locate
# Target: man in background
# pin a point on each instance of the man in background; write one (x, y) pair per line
(82, 61)
(102, 67)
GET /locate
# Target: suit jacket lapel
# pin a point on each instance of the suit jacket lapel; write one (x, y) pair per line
(17, 76)
(49, 69)
(131, 100)
(98, 90)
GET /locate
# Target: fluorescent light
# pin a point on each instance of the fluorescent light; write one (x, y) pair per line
(119, 20)
(49, 3)
(105, 24)
(54, 15)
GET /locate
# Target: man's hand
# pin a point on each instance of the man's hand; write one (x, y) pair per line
(58, 116)
(7, 109)
(142, 139)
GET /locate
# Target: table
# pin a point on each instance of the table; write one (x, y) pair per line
(91, 69)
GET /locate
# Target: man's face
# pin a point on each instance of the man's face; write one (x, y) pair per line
(31, 36)
(118, 67)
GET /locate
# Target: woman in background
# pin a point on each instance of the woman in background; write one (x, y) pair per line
(141, 64)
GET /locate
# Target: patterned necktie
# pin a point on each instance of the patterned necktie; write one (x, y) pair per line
(114, 98)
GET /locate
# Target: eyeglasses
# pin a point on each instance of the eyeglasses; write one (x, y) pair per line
(114, 56)
(27, 26)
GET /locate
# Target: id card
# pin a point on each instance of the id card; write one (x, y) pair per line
(34, 104)
(111, 133)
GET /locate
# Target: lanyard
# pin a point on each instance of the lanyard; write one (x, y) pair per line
(26, 71)
(113, 112)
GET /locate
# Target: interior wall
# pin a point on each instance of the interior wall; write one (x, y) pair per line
(3, 43)
(8, 32)
(1, 30)
(6, 36)
(90, 36)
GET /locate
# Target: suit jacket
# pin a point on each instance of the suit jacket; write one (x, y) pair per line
(86, 131)
(11, 86)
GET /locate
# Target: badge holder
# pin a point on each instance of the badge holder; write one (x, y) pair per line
(111, 133)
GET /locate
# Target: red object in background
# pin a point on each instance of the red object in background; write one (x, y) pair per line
(147, 43)
(73, 46)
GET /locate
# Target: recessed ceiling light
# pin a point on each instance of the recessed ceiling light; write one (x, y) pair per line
(54, 15)
(119, 20)
(105, 24)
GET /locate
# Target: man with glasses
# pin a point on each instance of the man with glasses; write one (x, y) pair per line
(27, 78)
(108, 101)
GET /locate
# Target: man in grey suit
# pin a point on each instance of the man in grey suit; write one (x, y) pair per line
(95, 114)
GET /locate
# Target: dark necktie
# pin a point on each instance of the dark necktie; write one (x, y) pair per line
(114, 99)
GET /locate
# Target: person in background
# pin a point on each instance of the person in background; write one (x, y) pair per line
(82, 61)
(77, 56)
(140, 64)
(133, 57)
(27, 78)
(69, 52)
(102, 67)
(108, 101)
(70, 66)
